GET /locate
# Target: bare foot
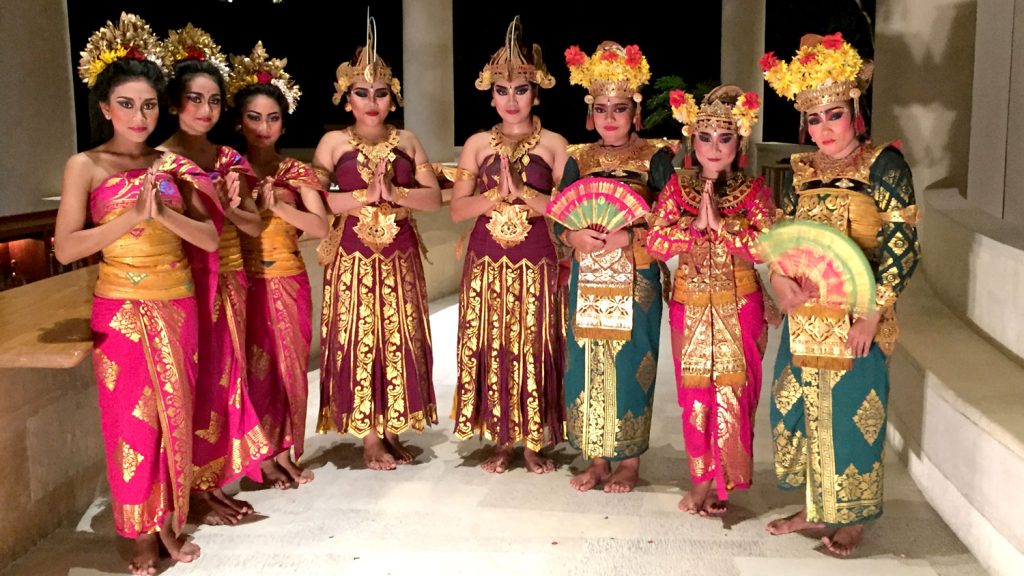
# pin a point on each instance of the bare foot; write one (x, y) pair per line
(624, 478)
(298, 474)
(845, 540)
(274, 475)
(793, 523)
(693, 501)
(177, 547)
(214, 511)
(240, 506)
(499, 462)
(376, 455)
(537, 462)
(713, 507)
(144, 555)
(598, 471)
(395, 448)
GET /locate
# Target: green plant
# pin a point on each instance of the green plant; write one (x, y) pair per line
(658, 108)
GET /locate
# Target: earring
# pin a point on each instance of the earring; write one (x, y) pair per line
(492, 104)
(238, 127)
(283, 130)
(173, 111)
(393, 107)
(348, 107)
(536, 100)
(107, 116)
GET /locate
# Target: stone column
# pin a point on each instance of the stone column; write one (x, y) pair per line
(993, 48)
(742, 47)
(38, 111)
(1013, 202)
(428, 62)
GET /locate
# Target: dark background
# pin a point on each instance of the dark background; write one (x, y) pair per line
(678, 38)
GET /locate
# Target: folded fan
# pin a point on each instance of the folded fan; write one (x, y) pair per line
(601, 204)
(827, 258)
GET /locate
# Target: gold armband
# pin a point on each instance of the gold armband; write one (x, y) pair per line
(463, 174)
(528, 193)
(359, 195)
(400, 193)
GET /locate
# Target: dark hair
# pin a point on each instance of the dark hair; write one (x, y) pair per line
(269, 90)
(184, 71)
(116, 73)
(243, 96)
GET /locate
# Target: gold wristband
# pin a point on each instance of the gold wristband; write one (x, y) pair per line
(400, 193)
(359, 195)
(528, 193)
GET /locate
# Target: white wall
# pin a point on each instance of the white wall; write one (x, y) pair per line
(37, 117)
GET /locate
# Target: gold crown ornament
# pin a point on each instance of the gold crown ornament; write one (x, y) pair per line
(191, 43)
(610, 71)
(366, 65)
(825, 70)
(509, 63)
(130, 38)
(259, 68)
(727, 107)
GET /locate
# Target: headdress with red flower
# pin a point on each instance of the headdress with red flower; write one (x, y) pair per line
(727, 107)
(191, 43)
(258, 68)
(610, 71)
(130, 38)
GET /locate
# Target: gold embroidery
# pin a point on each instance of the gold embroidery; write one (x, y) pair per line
(508, 225)
(208, 476)
(126, 321)
(787, 391)
(790, 456)
(130, 460)
(212, 432)
(259, 363)
(645, 293)
(145, 409)
(698, 416)
(646, 372)
(632, 434)
(870, 417)
(852, 487)
(377, 228)
(698, 466)
(106, 369)
(604, 303)
(817, 337)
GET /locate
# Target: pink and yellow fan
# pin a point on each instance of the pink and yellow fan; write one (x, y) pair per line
(827, 258)
(601, 204)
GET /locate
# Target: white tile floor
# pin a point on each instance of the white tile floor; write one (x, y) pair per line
(444, 516)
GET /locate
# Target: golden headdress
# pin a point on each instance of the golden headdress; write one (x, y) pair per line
(508, 63)
(130, 38)
(826, 69)
(726, 107)
(257, 68)
(610, 71)
(191, 43)
(366, 65)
